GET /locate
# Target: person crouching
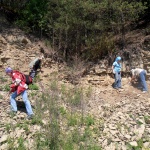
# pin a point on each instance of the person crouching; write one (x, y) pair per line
(140, 74)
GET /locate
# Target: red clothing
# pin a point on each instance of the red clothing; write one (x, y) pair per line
(18, 85)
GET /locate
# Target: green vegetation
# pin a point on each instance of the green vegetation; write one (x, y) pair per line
(2, 79)
(1, 96)
(147, 119)
(33, 87)
(72, 27)
(6, 87)
(21, 145)
(89, 120)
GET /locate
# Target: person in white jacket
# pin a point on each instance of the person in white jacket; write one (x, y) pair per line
(141, 75)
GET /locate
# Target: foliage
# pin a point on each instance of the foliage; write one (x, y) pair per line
(33, 87)
(6, 88)
(1, 96)
(72, 120)
(83, 27)
(2, 79)
(89, 121)
(21, 145)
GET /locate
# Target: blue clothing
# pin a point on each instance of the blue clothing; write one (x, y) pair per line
(142, 76)
(117, 72)
(117, 66)
(118, 58)
(25, 99)
(117, 83)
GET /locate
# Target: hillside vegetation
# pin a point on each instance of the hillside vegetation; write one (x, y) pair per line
(79, 27)
(74, 104)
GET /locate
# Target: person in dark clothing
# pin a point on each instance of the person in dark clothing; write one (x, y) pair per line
(35, 65)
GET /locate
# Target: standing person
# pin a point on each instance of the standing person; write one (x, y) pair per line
(116, 67)
(18, 87)
(35, 65)
(140, 74)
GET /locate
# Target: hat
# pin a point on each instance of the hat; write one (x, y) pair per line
(8, 70)
(118, 58)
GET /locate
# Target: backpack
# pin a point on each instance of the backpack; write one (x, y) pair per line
(25, 78)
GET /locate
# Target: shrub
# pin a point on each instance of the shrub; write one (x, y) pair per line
(62, 110)
(72, 120)
(1, 96)
(6, 88)
(89, 120)
(33, 87)
(2, 79)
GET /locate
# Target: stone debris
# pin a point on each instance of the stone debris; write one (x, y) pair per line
(123, 115)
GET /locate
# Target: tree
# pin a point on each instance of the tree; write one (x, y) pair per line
(81, 26)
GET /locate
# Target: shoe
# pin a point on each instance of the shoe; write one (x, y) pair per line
(116, 88)
(30, 116)
(144, 91)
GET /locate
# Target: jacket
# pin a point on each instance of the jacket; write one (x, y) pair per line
(17, 85)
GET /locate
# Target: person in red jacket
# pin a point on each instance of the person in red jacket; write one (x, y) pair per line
(18, 87)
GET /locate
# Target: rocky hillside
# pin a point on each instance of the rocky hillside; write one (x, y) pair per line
(89, 115)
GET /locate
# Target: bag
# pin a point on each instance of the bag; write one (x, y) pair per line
(25, 78)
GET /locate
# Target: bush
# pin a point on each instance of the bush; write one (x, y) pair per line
(6, 88)
(89, 120)
(33, 87)
(2, 79)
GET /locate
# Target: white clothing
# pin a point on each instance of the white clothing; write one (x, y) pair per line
(136, 72)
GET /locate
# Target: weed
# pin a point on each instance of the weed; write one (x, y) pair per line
(1, 96)
(6, 88)
(72, 120)
(139, 122)
(36, 79)
(63, 89)
(138, 147)
(140, 143)
(54, 86)
(87, 134)
(94, 147)
(68, 145)
(33, 87)
(21, 145)
(62, 110)
(75, 97)
(89, 120)
(36, 120)
(41, 141)
(10, 143)
(76, 136)
(24, 126)
(89, 92)
(8, 127)
(33, 94)
(2, 79)
(95, 130)
(147, 119)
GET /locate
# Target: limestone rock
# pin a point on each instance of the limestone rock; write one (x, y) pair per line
(134, 143)
(3, 138)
